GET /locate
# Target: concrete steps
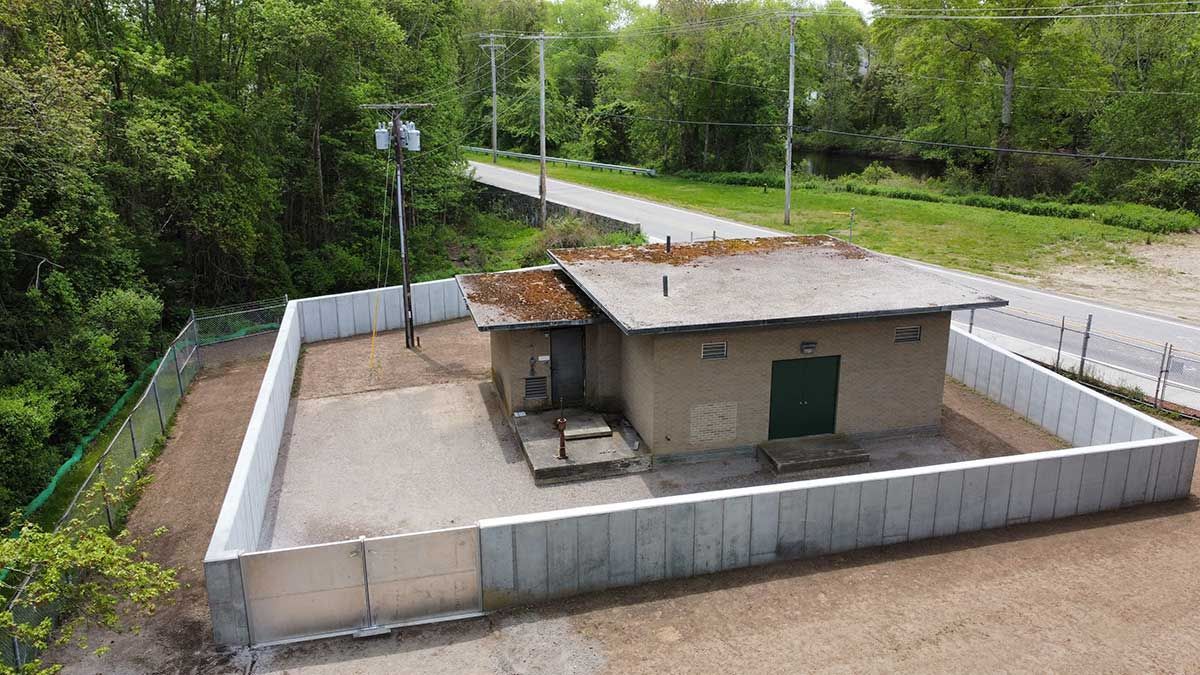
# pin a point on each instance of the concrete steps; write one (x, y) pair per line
(793, 455)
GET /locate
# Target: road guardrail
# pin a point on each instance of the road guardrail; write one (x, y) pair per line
(568, 162)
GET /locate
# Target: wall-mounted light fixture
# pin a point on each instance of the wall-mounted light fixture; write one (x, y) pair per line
(808, 347)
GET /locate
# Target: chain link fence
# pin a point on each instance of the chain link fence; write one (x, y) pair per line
(95, 502)
(1157, 374)
(231, 322)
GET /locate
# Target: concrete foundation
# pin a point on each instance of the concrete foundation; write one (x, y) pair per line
(597, 446)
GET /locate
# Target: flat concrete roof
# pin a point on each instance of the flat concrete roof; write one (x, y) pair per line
(536, 297)
(751, 282)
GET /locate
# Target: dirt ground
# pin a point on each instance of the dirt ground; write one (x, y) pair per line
(1109, 592)
(453, 351)
(190, 478)
(1171, 267)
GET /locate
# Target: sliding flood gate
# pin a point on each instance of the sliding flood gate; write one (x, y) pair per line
(361, 585)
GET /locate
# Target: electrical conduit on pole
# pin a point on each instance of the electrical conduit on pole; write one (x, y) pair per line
(398, 139)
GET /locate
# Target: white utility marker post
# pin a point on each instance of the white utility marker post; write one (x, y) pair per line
(787, 174)
(491, 46)
(403, 135)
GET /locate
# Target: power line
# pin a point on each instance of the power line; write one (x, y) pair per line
(772, 125)
(1119, 92)
(897, 139)
(1012, 17)
(976, 10)
(914, 13)
(428, 152)
(720, 22)
(745, 85)
(1017, 151)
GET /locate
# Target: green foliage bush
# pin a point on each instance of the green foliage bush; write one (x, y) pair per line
(128, 317)
(573, 232)
(26, 419)
(876, 173)
(1173, 188)
(1132, 216)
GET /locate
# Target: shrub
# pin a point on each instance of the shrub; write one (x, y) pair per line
(573, 232)
(127, 316)
(1174, 188)
(958, 180)
(27, 462)
(1084, 193)
(877, 172)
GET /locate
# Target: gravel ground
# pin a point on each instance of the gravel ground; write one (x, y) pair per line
(433, 456)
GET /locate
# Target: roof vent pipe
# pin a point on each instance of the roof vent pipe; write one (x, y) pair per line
(664, 285)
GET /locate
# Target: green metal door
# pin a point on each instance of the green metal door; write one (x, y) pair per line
(803, 397)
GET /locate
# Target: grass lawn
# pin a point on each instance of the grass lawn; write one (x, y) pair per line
(965, 237)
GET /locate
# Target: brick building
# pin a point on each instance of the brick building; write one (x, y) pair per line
(724, 344)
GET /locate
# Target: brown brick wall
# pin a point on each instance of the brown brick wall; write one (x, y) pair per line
(711, 404)
(638, 379)
(511, 351)
(602, 358)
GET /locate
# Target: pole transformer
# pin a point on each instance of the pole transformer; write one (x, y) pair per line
(404, 135)
(787, 174)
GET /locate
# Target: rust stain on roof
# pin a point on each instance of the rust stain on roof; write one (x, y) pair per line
(531, 295)
(692, 253)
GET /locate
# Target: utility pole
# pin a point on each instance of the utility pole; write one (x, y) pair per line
(404, 135)
(542, 131)
(787, 175)
(491, 46)
(541, 38)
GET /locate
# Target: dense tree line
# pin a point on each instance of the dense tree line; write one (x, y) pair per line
(157, 155)
(1116, 85)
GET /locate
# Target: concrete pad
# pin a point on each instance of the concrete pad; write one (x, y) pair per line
(429, 456)
(593, 449)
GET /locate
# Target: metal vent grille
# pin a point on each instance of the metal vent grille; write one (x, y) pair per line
(908, 334)
(535, 387)
(714, 350)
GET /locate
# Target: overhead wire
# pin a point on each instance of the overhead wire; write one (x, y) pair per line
(1083, 90)
(897, 139)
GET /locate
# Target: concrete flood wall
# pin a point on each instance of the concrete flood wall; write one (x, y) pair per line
(266, 597)
(1130, 458)
(329, 317)
(368, 584)
(239, 524)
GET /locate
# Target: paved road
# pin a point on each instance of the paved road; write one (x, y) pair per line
(1030, 323)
